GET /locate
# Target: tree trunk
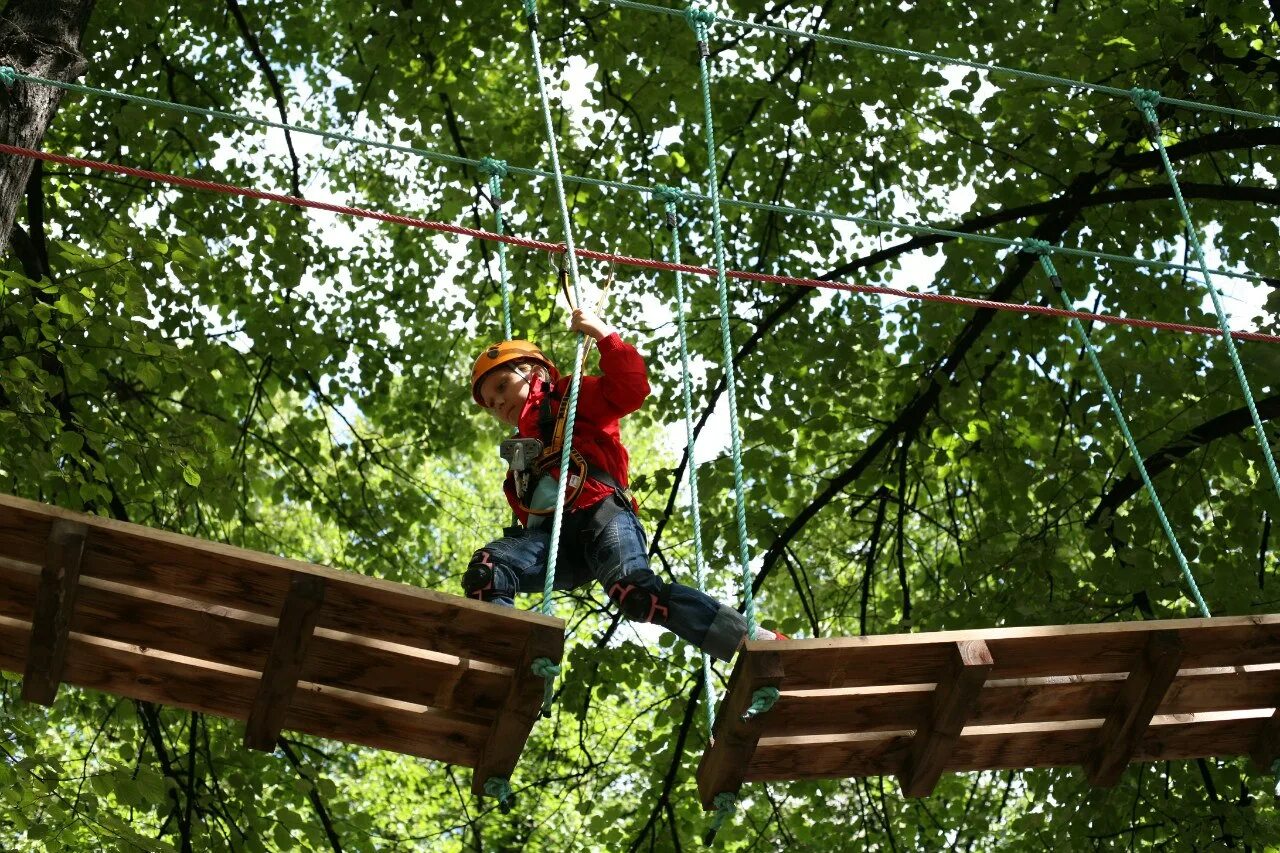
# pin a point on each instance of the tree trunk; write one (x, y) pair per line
(39, 37)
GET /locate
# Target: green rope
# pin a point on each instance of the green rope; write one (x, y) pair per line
(496, 170)
(671, 198)
(887, 50)
(547, 669)
(726, 340)
(761, 700)
(531, 10)
(524, 171)
(725, 803)
(500, 789)
(1039, 247)
(8, 76)
(1146, 101)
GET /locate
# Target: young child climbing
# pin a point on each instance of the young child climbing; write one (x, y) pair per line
(601, 538)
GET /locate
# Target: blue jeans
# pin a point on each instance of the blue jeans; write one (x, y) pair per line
(607, 544)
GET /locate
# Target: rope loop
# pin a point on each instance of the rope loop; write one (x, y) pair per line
(1145, 99)
(724, 803)
(1032, 246)
(500, 789)
(531, 12)
(8, 76)
(545, 668)
(695, 17)
(492, 167)
(667, 194)
(762, 700)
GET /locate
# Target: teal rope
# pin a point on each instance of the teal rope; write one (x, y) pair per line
(761, 700)
(671, 198)
(1146, 101)
(1046, 263)
(547, 669)
(722, 287)
(725, 803)
(904, 53)
(524, 171)
(531, 11)
(496, 170)
(8, 76)
(500, 789)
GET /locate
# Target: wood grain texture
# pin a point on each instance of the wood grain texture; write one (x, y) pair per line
(1143, 691)
(284, 663)
(54, 603)
(953, 702)
(724, 764)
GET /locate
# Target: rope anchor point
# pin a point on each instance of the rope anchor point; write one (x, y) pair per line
(8, 76)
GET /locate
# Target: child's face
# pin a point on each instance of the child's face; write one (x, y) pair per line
(504, 391)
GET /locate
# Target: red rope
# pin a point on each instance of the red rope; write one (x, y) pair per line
(647, 263)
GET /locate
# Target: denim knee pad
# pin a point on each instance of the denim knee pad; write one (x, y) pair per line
(485, 580)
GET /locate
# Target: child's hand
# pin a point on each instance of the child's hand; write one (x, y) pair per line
(589, 324)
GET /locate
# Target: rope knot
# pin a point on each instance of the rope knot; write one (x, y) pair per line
(545, 668)
(531, 11)
(490, 167)
(762, 700)
(696, 16)
(1146, 99)
(8, 76)
(667, 194)
(724, 803)
(1032, 246)
(498, 788)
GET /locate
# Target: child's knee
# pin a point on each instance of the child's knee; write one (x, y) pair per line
(642, 597)
(487, 580)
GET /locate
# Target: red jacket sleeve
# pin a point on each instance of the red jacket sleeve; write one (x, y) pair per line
(623, 383)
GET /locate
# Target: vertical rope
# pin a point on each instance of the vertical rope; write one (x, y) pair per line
(671, 197)
(496, 170)
(698, 20)
(1042, 249)
(575, 383)
(1146, 101)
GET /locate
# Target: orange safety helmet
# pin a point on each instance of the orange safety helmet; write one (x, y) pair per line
(496, 355)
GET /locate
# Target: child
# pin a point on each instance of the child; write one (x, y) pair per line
(600, 535)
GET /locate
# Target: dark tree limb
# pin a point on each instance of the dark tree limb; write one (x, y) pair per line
(1229, 423)
(313, 794)
(255, 48)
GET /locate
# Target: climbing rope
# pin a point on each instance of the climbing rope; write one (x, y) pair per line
(1038, 247)
(887, 50)
(645, 263)
(762, 700)
(670, 198)
(725, 803)
(1146, 101)
(524, 171)
(496, 170)
(546, 669)
(698, 20)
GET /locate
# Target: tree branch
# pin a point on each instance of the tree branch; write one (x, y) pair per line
(251, 41)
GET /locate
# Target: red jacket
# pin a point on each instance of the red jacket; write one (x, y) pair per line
(602, 401)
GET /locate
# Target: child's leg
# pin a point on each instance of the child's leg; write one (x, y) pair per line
(616, 553)
(506, 566)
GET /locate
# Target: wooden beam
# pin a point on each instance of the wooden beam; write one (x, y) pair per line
(1267, 749)
(954, 700)
(519, 712)
(1143, 691)
(51, 621)
(724, 765)
(288, 651)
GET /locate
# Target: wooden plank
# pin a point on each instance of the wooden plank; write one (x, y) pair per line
(55, 602)
(1266, 750)
(1013, 747)
(1055, 698)
(516, 717)
(168, 562)
(229, 692)
(284, 664)
(1026, 652)
(239, 638)
(1143, 691)
(724, 764)
(953, 701)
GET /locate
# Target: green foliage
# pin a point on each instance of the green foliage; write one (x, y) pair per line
(296, 384)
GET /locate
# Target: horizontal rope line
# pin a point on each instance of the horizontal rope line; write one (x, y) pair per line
(873, 47)
(627, 260)
(428, 154)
